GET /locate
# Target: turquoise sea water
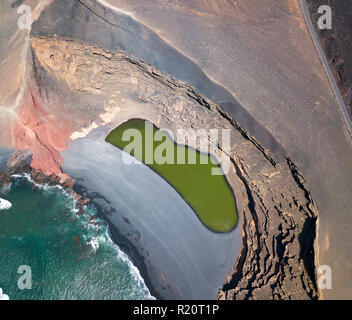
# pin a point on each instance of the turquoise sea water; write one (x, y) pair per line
(71, 256)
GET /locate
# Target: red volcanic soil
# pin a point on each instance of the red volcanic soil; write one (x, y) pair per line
(45, 134)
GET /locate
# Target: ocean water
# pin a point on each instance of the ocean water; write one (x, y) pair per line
(70, 256)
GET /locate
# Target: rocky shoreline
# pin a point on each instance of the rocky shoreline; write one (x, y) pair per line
(20, 163)
(277, 213)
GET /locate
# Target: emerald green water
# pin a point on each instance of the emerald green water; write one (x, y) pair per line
(209, 195)
(71, 256)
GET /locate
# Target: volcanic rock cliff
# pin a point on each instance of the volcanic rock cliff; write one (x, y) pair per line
(74, 87)
(73, 72)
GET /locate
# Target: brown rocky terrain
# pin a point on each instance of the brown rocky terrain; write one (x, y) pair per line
(278, 215)
(262, 53)
(253, 71)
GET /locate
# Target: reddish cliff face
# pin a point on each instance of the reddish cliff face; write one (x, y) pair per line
(45, 134)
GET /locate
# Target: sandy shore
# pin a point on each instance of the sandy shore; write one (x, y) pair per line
(183, 258)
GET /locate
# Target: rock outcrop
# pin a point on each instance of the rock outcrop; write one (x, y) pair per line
(79, 87)
(45, 135)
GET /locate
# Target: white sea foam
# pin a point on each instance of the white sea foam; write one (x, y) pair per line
(94, 242)
(133, 269)
(3, 296)
(4, 204)
(46, 187)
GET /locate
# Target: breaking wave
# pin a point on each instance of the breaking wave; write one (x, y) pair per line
(3, 296)
(4, 204)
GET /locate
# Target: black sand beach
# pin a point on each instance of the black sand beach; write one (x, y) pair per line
(183, 258)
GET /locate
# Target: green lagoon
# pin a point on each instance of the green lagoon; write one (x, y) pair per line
(210, 196)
